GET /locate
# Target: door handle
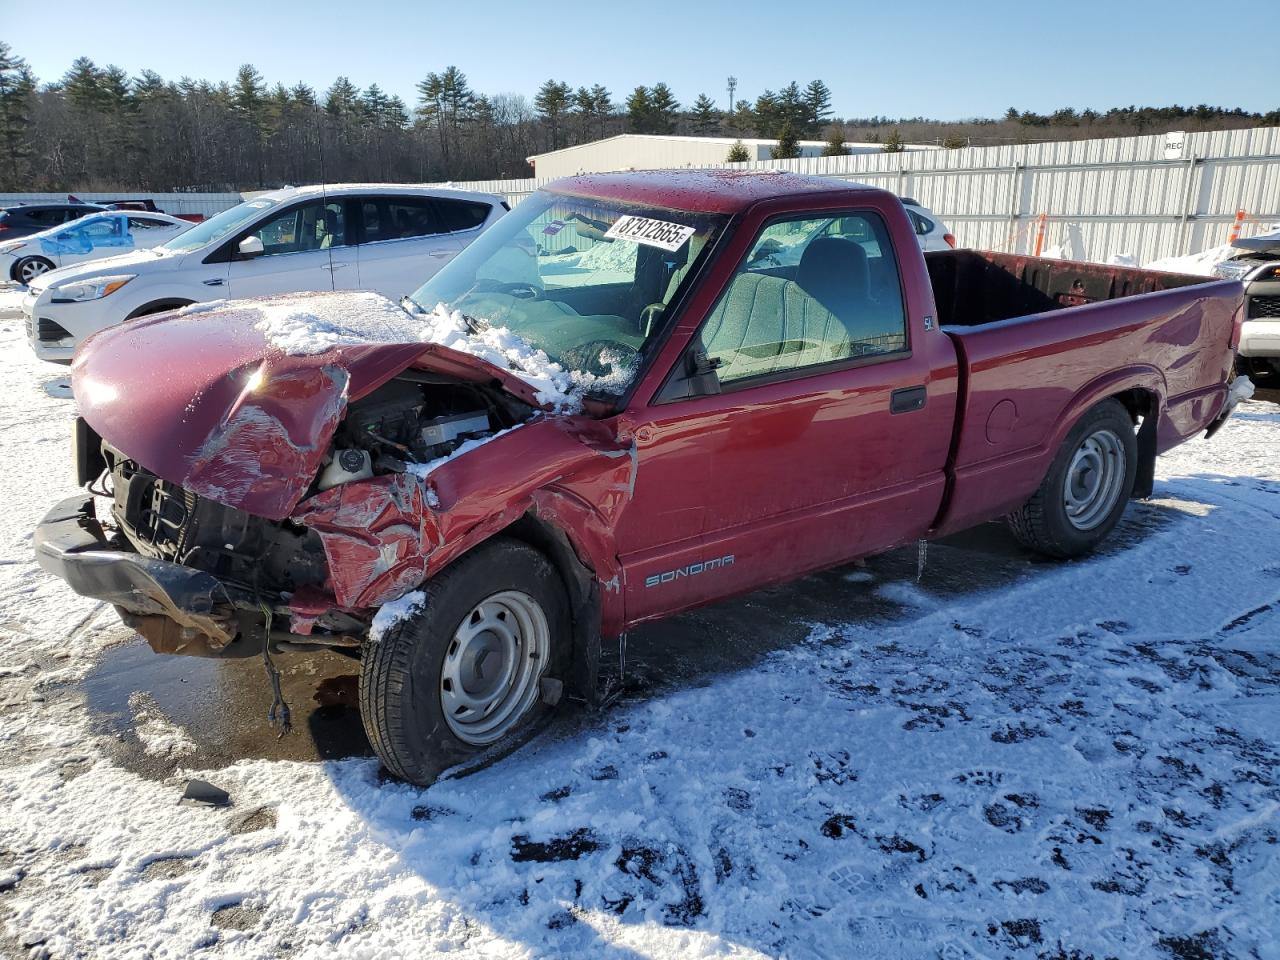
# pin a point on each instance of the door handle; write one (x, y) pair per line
(907, 399)
(440, 254)
(215, 282)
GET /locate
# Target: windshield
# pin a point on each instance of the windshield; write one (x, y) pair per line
(216, 227)
(586, 281)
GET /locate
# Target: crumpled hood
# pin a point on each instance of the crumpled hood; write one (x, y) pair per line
(209, 398)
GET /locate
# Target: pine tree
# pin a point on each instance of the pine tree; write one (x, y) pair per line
(738, 153)
(342, 99)
(664, 107)
(640, 111)
(766, 116)
(705, 116)
(817, 104)
(602, 107)
(894, 143)
(835, 142)
(552, 102)
(788, 147)
(17, 89)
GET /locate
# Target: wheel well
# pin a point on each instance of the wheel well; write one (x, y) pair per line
(1143, 407)
(583, 590)
(158, 306)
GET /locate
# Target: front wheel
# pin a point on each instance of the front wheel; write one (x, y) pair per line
(28, 268)
(463, 670)
(1086, 489)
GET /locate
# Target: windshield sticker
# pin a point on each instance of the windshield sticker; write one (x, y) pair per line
(652, 233)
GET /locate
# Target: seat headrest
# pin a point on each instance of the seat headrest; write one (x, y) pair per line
(834, 271)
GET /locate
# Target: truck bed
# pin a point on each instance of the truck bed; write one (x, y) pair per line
(1039, 341)
(972, 287)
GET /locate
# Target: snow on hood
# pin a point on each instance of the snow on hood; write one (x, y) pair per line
(238, 400)
(310, 324)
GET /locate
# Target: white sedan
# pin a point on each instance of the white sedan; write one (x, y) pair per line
(89, 238)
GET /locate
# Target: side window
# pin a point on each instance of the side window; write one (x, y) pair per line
(399, 218)
(146, 223)
(810, 292)
(922, 224)
(461, 214)
(311, 226)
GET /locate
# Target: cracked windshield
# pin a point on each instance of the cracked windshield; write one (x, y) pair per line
(587, 281)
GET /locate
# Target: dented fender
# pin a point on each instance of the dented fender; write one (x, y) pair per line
(384, 536)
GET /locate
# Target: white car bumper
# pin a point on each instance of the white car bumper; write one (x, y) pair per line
(1260, 338)
(54, 330)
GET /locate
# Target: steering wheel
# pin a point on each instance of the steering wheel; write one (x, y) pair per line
(601, 357)
(650, 315)
(520, 289)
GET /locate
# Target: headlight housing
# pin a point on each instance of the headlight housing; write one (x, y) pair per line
(81, 290)
(11, 246)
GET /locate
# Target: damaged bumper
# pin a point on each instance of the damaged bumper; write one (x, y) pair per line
(1241, 389)
(178, 609)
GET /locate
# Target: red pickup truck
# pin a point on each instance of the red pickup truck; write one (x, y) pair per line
(635, 394)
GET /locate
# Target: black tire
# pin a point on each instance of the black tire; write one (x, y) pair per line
(20, 267)
(402, 680)
(1044, 524)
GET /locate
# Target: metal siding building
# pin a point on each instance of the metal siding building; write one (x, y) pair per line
(634, 151)
(1110, 196)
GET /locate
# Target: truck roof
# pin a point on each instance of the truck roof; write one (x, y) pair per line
(701, 191)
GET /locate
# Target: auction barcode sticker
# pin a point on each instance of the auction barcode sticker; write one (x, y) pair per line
(653, 233)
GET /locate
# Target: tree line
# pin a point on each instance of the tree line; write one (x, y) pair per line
(98, 128)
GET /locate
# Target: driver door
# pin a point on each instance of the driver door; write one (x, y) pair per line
(819, 431)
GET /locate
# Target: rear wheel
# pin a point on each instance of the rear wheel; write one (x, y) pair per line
(1087, 487)
(28, 268)
(463, 671)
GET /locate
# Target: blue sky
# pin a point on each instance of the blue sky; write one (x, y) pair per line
(941, 59)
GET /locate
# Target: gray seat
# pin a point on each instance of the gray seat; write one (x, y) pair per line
(837, 273)
(765, 324)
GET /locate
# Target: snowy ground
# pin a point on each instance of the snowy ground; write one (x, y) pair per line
(1063, 761)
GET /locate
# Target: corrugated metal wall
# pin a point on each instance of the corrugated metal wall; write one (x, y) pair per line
(1113, 196)
(173, 203)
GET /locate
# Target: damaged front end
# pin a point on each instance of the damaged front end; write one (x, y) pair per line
(259, 501)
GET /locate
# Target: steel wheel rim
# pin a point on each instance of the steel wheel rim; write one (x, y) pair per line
(30, 269)
(489, 678)
(1094, 479)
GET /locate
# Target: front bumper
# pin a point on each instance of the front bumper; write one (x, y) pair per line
(38, 317)
(178, 609)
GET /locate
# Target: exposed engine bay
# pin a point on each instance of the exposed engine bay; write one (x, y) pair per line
(414, 419)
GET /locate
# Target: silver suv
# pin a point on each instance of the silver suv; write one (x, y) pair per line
(1256, 262)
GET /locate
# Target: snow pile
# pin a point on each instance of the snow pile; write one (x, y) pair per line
(311, 323)
(1200, 264)
(553, 385)
(389, 614)
(159, 737)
